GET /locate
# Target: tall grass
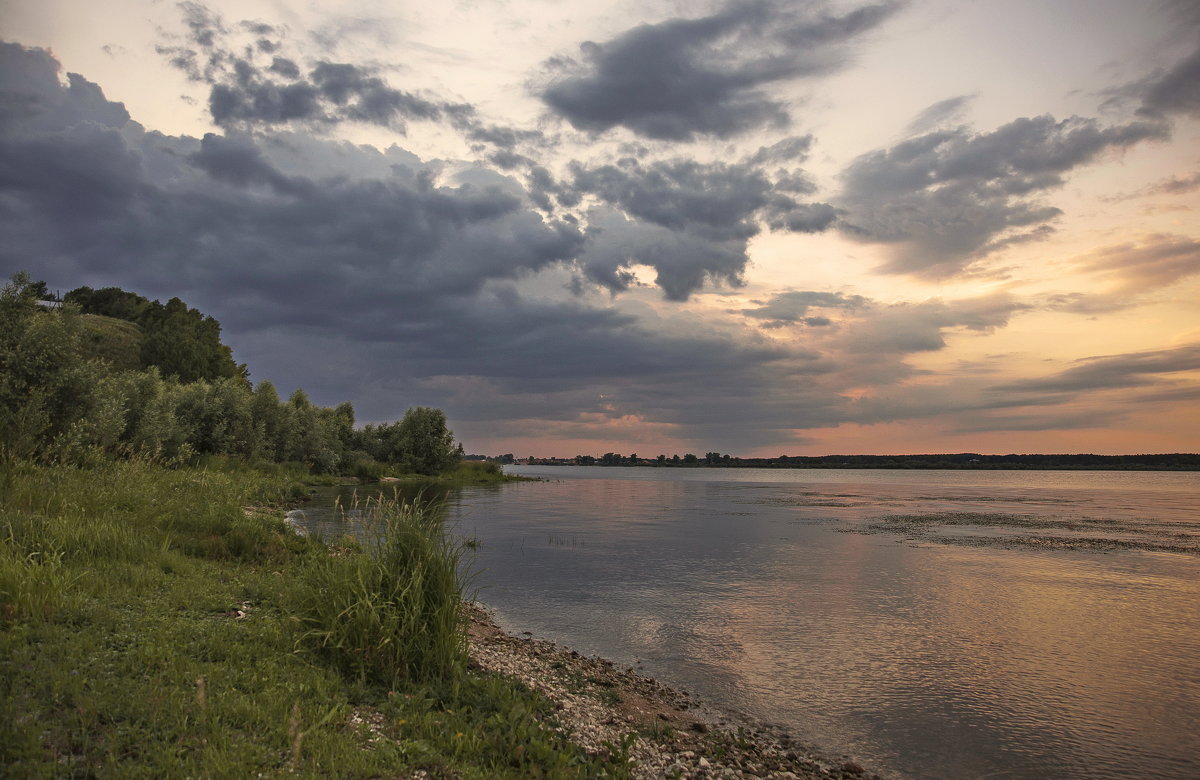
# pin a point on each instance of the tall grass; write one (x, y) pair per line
(389, 610)
(148, 627)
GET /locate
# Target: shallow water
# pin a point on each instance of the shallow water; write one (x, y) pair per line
(928, 624)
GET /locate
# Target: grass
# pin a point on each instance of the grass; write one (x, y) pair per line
(152, 624)
(467, 472)
(392, 614)
(117, 342)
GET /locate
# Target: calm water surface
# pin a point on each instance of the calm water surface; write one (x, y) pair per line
(928, 624)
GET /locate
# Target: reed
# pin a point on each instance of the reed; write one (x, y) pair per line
(390, 610)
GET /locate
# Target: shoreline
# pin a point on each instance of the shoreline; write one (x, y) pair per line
(598, 705)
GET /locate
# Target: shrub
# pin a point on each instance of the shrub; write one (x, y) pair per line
(392, 610)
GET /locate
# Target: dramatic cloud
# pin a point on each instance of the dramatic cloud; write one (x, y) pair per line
(380, 276)
(689, 221)
(254, 86)
(218, 209)
(946, 198)
(559, 288)
(692, 77)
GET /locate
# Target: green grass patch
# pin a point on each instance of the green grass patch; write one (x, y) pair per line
(158, 622)
(117, 342)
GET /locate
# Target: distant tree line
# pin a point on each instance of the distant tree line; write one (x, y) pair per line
(960, 461)
(112, 374)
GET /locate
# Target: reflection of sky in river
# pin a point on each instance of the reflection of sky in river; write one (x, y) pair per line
(920, 659)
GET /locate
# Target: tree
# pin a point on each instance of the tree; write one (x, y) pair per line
(428, 443)
(180, 341)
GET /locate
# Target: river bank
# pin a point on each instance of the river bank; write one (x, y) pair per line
(664, 732)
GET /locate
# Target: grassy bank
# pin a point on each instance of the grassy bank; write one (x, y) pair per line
(467, 472)
(163, 622)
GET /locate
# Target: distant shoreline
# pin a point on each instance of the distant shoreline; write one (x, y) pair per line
(947, 462)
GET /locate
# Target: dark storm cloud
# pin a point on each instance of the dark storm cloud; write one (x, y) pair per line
(690, 221)
(375, 277)
(946, 198)
(30, 93)
(683, 262)
(248, 96)
(705, 76)
(220, 209)
(248, 90)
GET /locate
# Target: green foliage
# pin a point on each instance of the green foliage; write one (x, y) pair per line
(179, 341)
(68, 394)
(420, 443)
(429, 442)
(392, 612)
(117, 343)
(145, 630)
(183, 606)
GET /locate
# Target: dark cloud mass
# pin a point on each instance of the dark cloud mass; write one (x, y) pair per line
(690, 221)
(948, 197)
(503, 288)
(684, 78)
(247, 90)
(398, 290)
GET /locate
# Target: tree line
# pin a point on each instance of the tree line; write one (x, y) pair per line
(956, 461)
(112, 374)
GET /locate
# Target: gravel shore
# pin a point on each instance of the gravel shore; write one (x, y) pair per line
(600, 706)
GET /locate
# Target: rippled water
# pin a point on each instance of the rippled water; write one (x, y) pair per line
(928, 624)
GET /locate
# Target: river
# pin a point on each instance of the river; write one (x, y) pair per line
(928, 624)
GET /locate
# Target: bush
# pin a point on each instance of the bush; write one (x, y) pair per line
(364, 467)
(389, 612)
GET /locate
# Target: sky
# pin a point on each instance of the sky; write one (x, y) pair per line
(756, 228)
